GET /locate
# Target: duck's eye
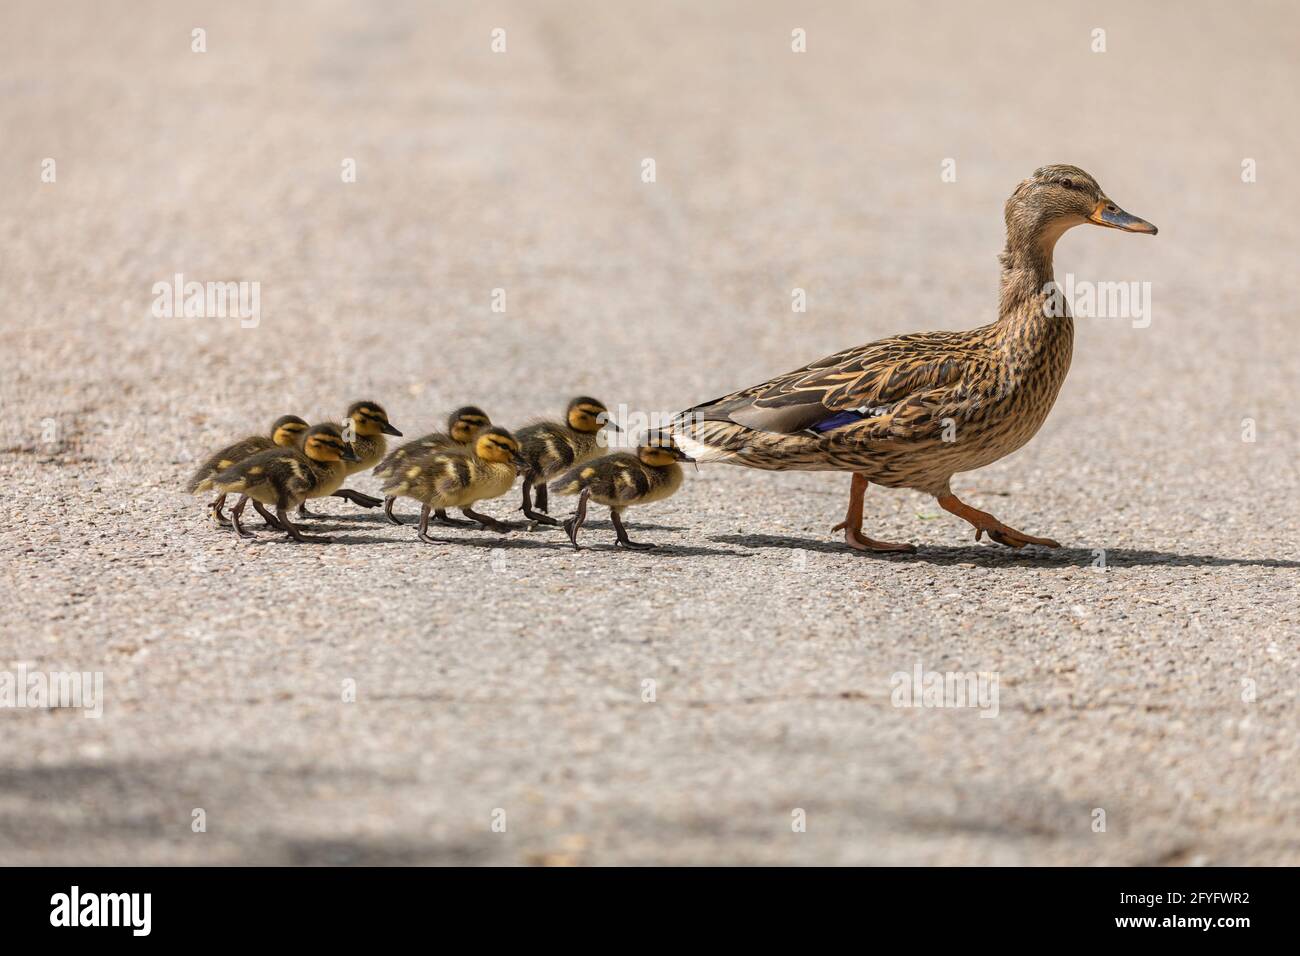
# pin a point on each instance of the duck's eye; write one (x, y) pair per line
(1067, 183)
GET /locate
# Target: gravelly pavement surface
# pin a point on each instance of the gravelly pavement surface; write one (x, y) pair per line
(508, 676)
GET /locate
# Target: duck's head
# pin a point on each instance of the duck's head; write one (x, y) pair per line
(325, 443)
(464, 424)
(498, 445)
(588, 415)
(288, 430)
(1057, 198)
(658, 449)
(369, 418)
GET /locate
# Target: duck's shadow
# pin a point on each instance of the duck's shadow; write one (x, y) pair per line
(411, 520)
(996, 556)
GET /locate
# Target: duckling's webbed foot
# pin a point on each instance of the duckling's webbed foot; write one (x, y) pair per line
(271, 520)
(538, 515)
(293, 530)
(983, 521)
(357, 498)
(236, 513)
(440, 515)
(574, 524)
(621, 532)
(423, 534)
(304, 513)
(214, 511)
(488, 522)
(388, 510)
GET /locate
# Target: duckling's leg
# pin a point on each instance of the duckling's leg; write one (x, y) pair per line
(304, 513)
(539, 516)
(357, 498)
(852, 524)
(236, 513)
(574, 524)
(487, 521)
(622, 533)
(424, 528)
(440, 515)
(293, 530)
(214, 510)
(388, 510)
(270, 519)
(983, 521)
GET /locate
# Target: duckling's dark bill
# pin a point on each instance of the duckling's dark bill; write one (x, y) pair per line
(1108, 214)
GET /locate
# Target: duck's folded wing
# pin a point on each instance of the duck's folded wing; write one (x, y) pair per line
(864, 382)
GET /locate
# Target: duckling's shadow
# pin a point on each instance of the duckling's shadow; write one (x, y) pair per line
(995, 556)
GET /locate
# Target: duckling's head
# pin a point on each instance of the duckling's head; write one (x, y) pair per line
(465, 424)
(287, 430)
(658, 450)
(1057, 198)
(585, 415)
(369, 418)
(325, 443)
(498, 445)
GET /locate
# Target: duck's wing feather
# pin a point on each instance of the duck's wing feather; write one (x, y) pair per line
(862, 382)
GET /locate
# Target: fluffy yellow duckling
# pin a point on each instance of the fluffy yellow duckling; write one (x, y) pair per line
(550, 447)
(285, 477)
(463, 427)
(456, 478)
(286, 432)
(622, 480)
(364, 429)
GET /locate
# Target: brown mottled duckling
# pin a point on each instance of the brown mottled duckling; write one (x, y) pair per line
(285, 477)
(364, 429)
(550, 447)
(622, 480)
(457, 478)
(463, 427)
(286, 432)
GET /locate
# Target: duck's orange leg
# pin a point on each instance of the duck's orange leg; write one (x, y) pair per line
(852, 524)
(983, 521)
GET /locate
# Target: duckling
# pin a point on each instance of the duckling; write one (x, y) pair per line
(286, 432)
(284, 478)
(551, 447)
(463, 426)
(457, 478)
(364, 429)
(621, 481)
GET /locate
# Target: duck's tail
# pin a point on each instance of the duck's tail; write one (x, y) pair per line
(733, 444)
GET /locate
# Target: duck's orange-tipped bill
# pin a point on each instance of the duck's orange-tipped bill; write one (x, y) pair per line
(1108, 214)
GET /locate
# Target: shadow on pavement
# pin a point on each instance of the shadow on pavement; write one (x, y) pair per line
(997, 556)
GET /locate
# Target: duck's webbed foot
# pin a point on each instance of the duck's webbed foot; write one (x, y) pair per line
(294, 532)
(270, 520)
(488, 522)
(620, 533)
(440, 515)
(852, 525)
(237, 513)
(985, 522)
(539, 513)
(388, 510)
(357, 498)
(214, 511)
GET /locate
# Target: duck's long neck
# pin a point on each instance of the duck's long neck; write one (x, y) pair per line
(1026, 278)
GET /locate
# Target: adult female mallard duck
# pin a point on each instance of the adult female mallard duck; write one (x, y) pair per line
(913, 410)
